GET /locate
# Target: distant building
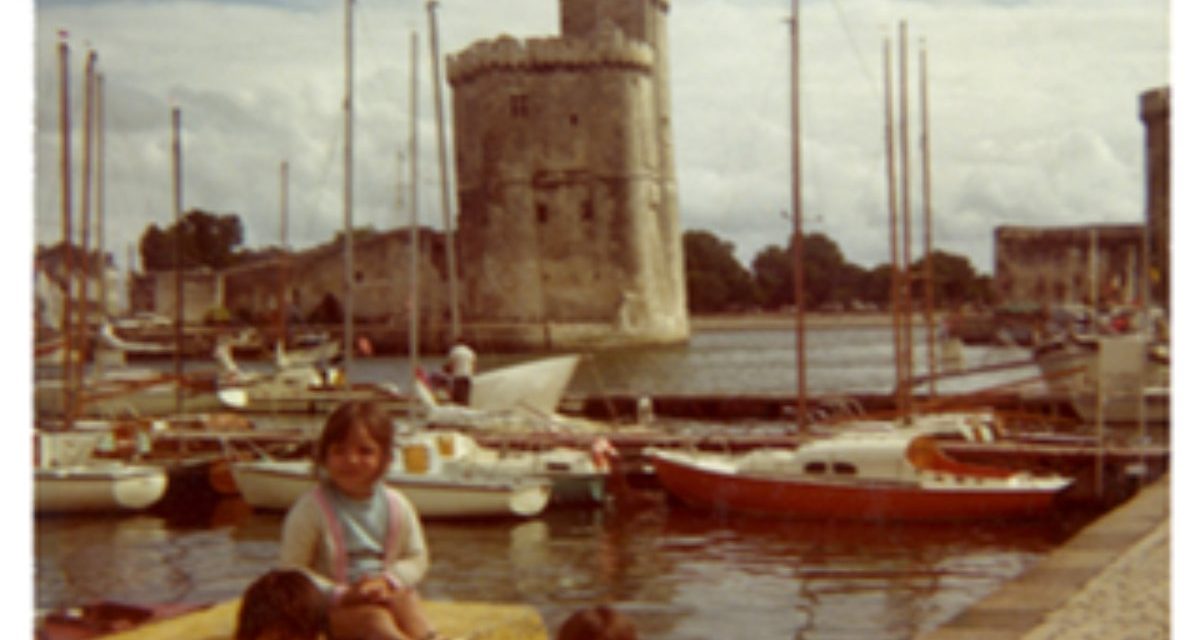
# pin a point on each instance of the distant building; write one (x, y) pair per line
(1156, 115)
(154, 292)
(1054, 266)
(1105, 264)
(309, 286)
(568, 215)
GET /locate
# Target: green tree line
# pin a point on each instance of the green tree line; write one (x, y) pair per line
(718, 282)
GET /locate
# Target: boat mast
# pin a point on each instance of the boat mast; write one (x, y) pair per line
(89, 87)
(414, 238)
(798, 222)
(348, 202)
(64, 115)
(906, 223)
(100, 195)
(284, 258)
(926, 194)
(177, 188)
(893, 244)
(447, 218)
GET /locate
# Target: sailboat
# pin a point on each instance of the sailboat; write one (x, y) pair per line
(893, 472)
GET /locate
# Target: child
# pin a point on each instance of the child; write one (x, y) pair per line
(281, 605)
(359, 541)
(597, 623)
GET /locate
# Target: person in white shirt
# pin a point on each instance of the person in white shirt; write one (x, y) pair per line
(460, 364)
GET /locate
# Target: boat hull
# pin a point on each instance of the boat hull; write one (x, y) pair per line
(801, 498)
(80, 489)
(276, 486)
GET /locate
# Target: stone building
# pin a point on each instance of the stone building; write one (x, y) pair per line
(154, 291)
(1156, 115)
(1054, 266)
(568, 210)
(310, 285)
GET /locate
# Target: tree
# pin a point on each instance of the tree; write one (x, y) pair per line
(716, 281)
(954, 279)
(827, 277)
(203, 240)
(772, 268)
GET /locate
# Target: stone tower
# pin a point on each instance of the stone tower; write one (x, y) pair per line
(569, 220)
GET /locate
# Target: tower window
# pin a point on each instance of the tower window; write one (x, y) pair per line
(543, 215)
(518, 105)
(574, 119)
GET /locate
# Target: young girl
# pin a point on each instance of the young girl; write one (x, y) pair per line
(360, 542)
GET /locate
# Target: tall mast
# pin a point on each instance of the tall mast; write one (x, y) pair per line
(447, 218)
(89, 88)
(284, 257)
(348, 202)
(64, 115)
(104, 311)
(177, 184)
(414, 242)
(798, 223)
(926, 194)
(906, 222)
(893, 244)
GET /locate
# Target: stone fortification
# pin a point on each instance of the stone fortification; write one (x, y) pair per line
(506, 53)
(568, 222)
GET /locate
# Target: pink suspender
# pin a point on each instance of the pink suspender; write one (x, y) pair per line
(340, 557)
(392, 546)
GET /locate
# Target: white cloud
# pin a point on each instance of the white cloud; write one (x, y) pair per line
(1033, 108)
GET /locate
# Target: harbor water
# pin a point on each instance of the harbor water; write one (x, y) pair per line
(677, 573)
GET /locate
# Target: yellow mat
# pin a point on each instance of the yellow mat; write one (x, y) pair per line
(457, 620)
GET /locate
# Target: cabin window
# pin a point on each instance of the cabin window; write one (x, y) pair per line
(844, 469)
(543, 214)
(586, 212)
(816, 467)
(574, 119)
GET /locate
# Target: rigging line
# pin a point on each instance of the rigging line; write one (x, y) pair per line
(872, 82)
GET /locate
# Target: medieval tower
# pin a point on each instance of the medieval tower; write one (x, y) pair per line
(569, 219)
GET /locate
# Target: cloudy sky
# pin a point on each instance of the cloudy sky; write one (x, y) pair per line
(1033, 108)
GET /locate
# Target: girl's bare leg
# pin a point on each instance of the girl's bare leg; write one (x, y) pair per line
(364, 622)
(408, 614)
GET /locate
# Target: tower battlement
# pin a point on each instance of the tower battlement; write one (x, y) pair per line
(610, 48)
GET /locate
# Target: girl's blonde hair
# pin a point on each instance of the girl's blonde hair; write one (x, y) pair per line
(337, 428)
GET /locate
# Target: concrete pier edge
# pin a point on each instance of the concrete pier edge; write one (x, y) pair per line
(1125, 553)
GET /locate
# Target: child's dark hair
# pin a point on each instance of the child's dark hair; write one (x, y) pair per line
(284, 603)
(597, 623)
(356, 412)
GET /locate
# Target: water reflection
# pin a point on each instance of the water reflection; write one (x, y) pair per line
(678, 573)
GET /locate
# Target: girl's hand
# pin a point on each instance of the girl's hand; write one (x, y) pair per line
(373, 590)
